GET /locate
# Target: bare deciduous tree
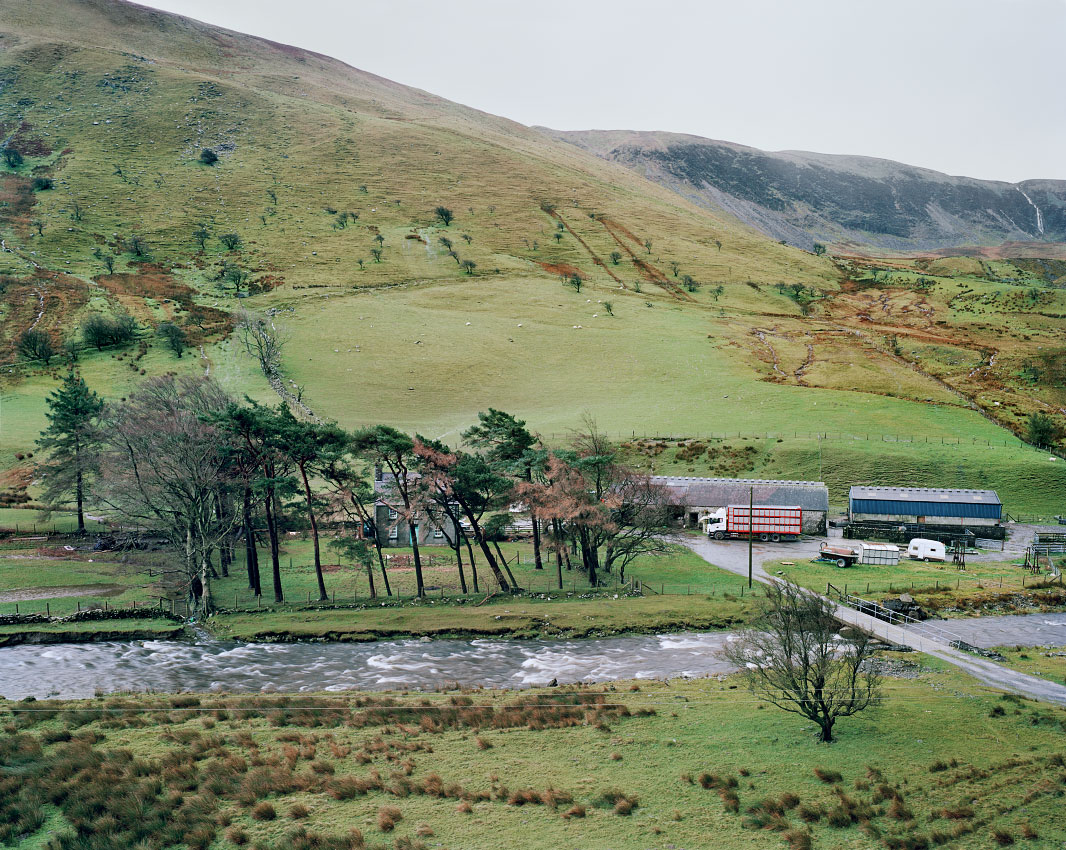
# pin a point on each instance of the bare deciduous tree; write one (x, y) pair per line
(262, 339)
(163, 465)
(796, 656)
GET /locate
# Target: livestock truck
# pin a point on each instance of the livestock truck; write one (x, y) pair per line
(767, 522)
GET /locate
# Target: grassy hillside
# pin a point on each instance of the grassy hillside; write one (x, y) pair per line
(942, 762)
(321, 165)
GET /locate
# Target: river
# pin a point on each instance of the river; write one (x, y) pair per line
(74, 671)
(78, 670)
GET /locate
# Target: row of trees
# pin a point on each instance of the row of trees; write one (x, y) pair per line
(98, 331)
(209, 472)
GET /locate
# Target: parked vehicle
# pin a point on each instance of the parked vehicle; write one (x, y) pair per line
(849, 554)
(926, 550)
(766, 522)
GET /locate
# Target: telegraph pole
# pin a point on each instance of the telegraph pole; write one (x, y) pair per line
(751, 528)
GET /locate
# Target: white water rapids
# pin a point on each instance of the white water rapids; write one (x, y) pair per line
(73, 671)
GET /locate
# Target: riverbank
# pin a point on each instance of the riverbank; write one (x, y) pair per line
(521, 617)
(63, 632)
(52, 582)
(633, 764)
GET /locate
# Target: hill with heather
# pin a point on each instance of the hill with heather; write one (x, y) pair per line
(854, 203)
(179, 173)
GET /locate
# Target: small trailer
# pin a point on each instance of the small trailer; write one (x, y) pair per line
(847, 555)
(926, 550)
(766, 522)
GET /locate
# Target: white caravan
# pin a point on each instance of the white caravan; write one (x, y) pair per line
(926, 550)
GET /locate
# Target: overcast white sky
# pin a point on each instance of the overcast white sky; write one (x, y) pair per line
(972, 87)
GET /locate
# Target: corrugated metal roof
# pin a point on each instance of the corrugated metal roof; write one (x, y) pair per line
(720, 492)
(925, 494)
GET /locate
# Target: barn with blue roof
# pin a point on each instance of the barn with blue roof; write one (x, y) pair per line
(932, 506)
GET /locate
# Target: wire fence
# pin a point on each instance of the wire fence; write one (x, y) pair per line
(1022, 580)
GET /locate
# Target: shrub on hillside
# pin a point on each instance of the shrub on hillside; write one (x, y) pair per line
(101, 331)
(35, 344)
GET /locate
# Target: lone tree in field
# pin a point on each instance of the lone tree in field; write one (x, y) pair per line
(173, 336)
(468, 266)
(1042, 431)
(12, 158)
(616, 257)
(444, 215)
(137, 246)
(201, 235)
(208, 156)
(818, 249)
(795, 656)
(71, 441)
(34, 344)
(231, 241)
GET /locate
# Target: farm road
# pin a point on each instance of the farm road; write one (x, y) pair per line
(982, 631)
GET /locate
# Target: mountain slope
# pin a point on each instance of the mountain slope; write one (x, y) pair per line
(847, 201)
(563, 283)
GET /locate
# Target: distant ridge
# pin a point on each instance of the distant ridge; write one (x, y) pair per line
(850, 202)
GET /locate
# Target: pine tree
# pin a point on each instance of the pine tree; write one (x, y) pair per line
(71, 442)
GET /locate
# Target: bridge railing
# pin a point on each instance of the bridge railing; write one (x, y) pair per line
(898, 618)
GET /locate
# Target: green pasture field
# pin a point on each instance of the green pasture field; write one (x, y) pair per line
(78, 582)
(30, 521)
(943, 759)
(679, 568)
(984, 587)
(1046, 661)
(402, 355)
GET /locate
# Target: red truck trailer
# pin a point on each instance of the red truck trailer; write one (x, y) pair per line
(768, 522)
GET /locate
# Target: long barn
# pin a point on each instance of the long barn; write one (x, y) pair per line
(925, 506)
(696, 496)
